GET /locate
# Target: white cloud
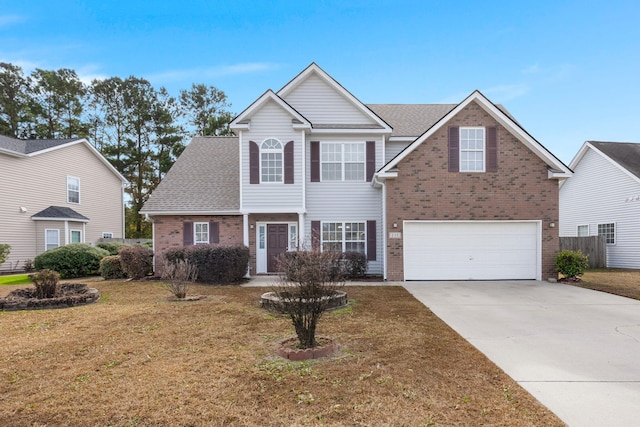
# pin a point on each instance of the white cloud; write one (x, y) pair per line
(200, 73)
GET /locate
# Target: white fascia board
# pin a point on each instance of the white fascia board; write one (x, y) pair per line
(269, 95)
(314, 68)
(12, 153)
(349, 131)
(402, 138)
(588, 146)
(388, 174)
(60, 219)
(163, 213)
(297, 210)
(558, 175)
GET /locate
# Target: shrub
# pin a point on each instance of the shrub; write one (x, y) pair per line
(28, 265)
(74, 260)
(4, 252)
(136, 261)
(46, 282)
(572, 264)
(110, 268)
(178, 276)
(111, 247)
(215, 264)
(355, 264)
(310, 277)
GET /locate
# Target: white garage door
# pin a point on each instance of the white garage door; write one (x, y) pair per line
(475, 250)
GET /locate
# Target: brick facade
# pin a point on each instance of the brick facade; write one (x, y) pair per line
(425, 190)
(168, 230)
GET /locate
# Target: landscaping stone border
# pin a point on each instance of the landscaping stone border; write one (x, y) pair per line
(285, 349)
(70, 295)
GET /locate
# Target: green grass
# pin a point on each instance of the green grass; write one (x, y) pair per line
(17, 279)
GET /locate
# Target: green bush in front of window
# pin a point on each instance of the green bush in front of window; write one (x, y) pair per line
(355, 264)
(111, 268)
(74, 260)
(572, 264)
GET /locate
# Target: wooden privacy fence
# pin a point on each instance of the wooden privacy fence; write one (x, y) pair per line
(593, 246)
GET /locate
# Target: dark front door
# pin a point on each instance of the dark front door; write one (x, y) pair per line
(277, 243)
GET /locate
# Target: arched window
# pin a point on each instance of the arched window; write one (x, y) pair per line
(271, 163)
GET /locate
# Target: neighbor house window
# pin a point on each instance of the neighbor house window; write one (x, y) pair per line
(344, 236)
(271, 163)
(107, 235)
(75, 236)
(73, 189)
(608, 231)
(201, 233)
(472, 148)
(343, 162)
(583, 230)
(51, 239)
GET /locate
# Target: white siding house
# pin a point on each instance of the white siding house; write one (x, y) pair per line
(603, 197)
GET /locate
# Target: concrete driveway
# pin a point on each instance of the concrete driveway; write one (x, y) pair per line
(577, 351)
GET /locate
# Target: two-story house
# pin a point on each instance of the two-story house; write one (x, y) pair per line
(427, 192)
(55, 192)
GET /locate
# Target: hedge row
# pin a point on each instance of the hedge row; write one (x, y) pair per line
(216, 264)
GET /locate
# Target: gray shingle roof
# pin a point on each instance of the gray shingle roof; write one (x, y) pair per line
(205, 178)
(626, 154)
(411, 119)
(28, 146)
(59, 212)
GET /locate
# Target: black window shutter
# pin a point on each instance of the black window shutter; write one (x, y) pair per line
(315, 161)
(454, 149)
(371, 241)
(187, 233)
(288, 163)
(492, 149)
(214, 232)
(315, 235)
(254, 163)
(371, 159)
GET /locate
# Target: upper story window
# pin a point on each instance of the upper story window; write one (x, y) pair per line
(73, 189)
(342, 161)
(271, 163)
(472, 149)
(608, 231)
(200, 233)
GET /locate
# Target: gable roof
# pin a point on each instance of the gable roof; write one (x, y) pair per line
(204, 180)
(625, 155)
(33, 147)
(242, 120)
(557, 169)
(60, 213)
(410, 120)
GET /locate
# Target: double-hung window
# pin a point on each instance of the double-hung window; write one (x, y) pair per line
(472, 149)
(271, 162)
(200, 233)
(608, 231)
(51, 239)
(344, 236)
(343, 161)
(73, 189)
(75, 236)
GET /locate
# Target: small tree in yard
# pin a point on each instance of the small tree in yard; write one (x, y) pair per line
(572, 264)
(4, 252)
(178, 275)
(308, 279)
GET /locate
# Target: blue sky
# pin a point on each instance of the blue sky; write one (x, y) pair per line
(568, 71)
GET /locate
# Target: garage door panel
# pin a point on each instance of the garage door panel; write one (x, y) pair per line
(470, 250)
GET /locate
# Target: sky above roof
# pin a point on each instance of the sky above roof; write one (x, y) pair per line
(568, 71)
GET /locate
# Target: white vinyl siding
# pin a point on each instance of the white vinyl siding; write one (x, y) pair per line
(340, 201)
(393, 148)
(271, 121)
(601, 193)
(321, 104)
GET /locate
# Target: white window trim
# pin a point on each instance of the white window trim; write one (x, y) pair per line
(195, 233)
(107, 235)
(578, 230)
(342, 162)
(272, 150)
(615, 232)
(344, 241)
(69, 177)
(484, 149)
(261, 253)
(71, 234)
(46, 242)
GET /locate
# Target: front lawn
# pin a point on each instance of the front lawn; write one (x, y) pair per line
(15, 279)
(137, 359)
(616, 281)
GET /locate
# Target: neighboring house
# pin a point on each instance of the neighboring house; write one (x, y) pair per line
(427, 192)
(56, 192)
(603, 198)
